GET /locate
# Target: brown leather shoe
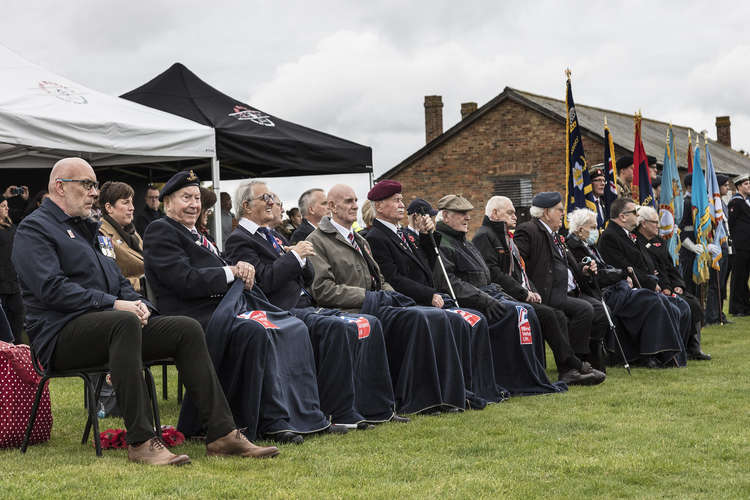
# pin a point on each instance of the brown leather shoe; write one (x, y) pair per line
(235, 443)
(155, 452)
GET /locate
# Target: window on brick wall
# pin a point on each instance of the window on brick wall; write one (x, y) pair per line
(519, 189)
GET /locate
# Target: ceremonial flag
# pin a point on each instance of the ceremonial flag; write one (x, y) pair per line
(701, 221)
(610, 171)
(716, 211)
(578, 191)
(670, 200)
(642, 193)
(690, 154)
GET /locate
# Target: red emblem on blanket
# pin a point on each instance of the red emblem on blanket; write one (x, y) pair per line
(524, 327)
(470, 318)
(363, 327)
(259, 316)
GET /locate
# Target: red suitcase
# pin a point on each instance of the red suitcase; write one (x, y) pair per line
(18, 383)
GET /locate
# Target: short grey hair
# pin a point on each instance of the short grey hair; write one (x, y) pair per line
(495, 203)
(579, 217)
(245, 192)
(536, 212)
(304, 200)
(647, 212)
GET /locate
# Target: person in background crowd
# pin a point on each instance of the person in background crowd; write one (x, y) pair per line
(619, 247)
(598, 183)
(717, 284)
(625, 176)
(670, 280)
(291, 223)
(368, 216)
(494, 241)
(417, 209)
(10, 293)
(121, 241)
(35, 201)
(656, 187)
(313, 206)
(208, 200)
(653, 171)
(739, 228)
(558, 276)
(150, 211)
(228, 220)
(16, 196)
(83, 312)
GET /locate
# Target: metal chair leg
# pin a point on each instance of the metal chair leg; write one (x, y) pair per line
(179, 388)
(32, 417)
(151, 390)
(93, 419)
(164, 382)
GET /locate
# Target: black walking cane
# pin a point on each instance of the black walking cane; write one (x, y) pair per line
(585, 261)
(423, 211)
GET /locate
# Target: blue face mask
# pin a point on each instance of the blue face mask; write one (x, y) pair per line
(593, 237)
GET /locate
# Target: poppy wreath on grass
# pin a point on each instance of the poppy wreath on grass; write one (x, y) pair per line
(113, 439)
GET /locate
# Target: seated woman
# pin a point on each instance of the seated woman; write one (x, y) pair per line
(118, 233)
(650, 326)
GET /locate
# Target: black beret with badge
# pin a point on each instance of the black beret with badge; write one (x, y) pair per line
(596, 171)
(420, 206)
(178, 181)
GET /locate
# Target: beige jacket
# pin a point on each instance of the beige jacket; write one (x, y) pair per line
(342, 275)
(129, 260)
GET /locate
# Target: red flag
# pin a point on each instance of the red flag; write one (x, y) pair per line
(641, 191)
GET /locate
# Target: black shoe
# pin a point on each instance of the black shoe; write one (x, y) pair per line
(576, 377)
(287, 437)
(336, 429)
(365, 426)
(400, 420)
(699, 356)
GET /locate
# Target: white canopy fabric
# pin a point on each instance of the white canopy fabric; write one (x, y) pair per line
(44, 117)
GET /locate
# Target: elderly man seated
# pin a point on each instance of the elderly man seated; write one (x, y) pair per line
(516, 336)
(494, 241)
(424, 363)
(267, 370)
(83, 312)
(654, 342)
(557, 276)
(352, 365)
(406, 266)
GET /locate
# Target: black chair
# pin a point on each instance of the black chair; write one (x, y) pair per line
(91, 395)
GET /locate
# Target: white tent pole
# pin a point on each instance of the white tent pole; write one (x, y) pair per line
(371, 180)
(217, 211)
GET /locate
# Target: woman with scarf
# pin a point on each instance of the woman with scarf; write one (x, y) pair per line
(119, 238)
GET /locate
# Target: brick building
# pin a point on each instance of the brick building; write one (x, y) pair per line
(514, 145)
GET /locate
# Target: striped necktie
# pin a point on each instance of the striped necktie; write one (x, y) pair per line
(203, 241)
(354, 242)
(267, 233)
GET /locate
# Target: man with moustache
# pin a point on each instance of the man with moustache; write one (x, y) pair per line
(352, 367)
(424, 364)
(82, 312)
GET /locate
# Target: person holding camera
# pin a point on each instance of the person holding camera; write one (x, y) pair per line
(17, 197)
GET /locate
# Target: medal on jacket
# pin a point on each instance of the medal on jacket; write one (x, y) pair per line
(106, 246)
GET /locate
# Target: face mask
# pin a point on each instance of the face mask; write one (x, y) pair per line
(593, 237)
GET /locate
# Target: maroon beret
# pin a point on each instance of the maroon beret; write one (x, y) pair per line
(384, 189)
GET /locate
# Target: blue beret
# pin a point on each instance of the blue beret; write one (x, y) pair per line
(547, 199)
(384, 189)
(420, 206)
(179, 181)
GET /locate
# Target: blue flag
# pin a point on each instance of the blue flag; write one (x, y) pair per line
(716, 210)
(701, 221)
(578, 191)
(670, 200)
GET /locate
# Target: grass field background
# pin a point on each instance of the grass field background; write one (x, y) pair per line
(676, 433)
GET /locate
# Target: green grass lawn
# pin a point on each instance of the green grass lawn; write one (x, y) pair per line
(677, 433)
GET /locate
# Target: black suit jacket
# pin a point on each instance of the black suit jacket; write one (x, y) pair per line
(408, 270)
(619, 250)
(545, 267)
(187, 278)
(657, 254)
(280, 276)
(302, 232)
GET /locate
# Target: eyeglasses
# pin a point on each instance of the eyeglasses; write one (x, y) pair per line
(87, 184)
(630, 212)
(651, 221)
(266, 197)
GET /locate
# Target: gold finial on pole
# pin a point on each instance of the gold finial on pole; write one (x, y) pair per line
(567, 73)
(605, 120)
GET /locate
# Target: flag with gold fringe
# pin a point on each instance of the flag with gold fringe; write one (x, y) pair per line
(701, 220)
(670, 201)
(716, 210)
(578, 190)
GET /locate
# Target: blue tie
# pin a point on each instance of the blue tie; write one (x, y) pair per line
(267, 233)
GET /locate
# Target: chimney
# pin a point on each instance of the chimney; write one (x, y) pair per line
(723, 133)
(467, 108)
(433, 116)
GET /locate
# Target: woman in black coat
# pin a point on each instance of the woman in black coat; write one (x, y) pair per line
(10, 293)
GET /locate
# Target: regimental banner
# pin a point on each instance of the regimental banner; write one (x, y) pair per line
(578, 190)
(363, 327)
(524, 327)
(671, 200)
(641, 191)
(610, 171)
(259, 316)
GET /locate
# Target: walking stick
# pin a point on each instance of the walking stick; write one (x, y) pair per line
(612, 328)
(423, 211)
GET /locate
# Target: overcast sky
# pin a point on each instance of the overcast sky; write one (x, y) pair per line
(361, 70)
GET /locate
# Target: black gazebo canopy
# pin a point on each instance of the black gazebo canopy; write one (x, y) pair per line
(250, 142)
